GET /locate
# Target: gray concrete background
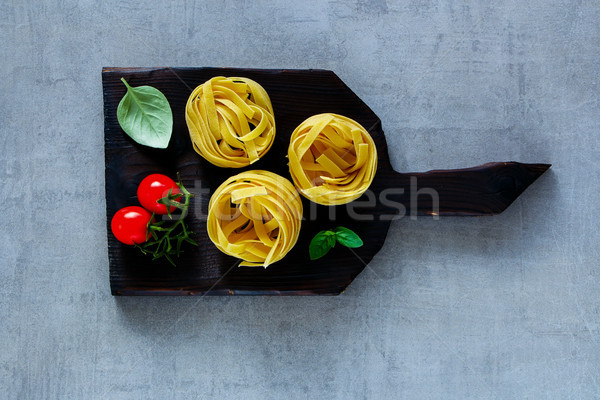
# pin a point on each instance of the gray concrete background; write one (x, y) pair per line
(460, 308)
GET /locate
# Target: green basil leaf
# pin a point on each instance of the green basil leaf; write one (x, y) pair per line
(320, 245)
(145, 115)
(330, 238)
(347, 237)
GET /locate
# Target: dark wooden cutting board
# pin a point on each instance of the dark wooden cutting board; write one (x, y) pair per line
(296, 95)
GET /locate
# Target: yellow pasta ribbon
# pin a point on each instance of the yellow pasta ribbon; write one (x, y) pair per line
(231, 121)
(255, 216)
(332, 159)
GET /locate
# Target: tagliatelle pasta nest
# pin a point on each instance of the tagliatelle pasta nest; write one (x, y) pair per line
(255, 216)
(332, 159)
(231, 121)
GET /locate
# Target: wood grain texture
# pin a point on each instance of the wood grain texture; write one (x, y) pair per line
(296, 95)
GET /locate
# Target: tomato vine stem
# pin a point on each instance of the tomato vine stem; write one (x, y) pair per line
(165, 240)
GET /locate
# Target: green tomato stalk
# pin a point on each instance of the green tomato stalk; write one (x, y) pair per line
(165, 240)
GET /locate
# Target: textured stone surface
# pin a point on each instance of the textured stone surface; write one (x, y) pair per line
(501, 307)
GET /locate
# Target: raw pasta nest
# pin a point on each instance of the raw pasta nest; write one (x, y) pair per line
(255, 216)
(231, 121)
(332, 159)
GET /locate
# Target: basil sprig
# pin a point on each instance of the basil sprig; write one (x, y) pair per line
(145, 115)
(325, 241)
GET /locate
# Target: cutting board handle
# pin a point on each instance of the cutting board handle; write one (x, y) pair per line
(487, 189)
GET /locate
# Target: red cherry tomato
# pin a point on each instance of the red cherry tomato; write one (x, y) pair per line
(155, 187)
(130, 224)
